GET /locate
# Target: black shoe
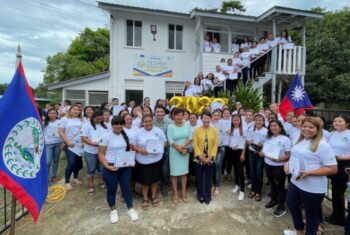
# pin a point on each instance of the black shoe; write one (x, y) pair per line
(201, 200)
(331, 220)
(279, 212)
(271, 205)
(207, 202)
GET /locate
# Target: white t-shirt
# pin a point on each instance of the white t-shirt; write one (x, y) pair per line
(245, 57)
(51, 133)
(263, 46)
(89, 132)
(207, 46)
(260, 134)
(206, 84)
(236, 62)
(131, 132)
(221, 77)
(324, 156)
(254, 52)
(340, 143)
(216, 47)
(272, 43)
(189, 92)
(246, 45)
(247, 126)
(230, 69)
(295, 136)
(115, 144)
(72, 128)
(197, 90)
(136, 122)
(285, 145)
(326, 134)
(234, 48)
(142, 135)
(284, 40)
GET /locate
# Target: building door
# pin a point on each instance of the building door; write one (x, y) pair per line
(135, 95)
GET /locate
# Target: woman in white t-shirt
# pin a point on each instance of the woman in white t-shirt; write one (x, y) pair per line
(52, 143)
(276, 153)
(234, 45)
(69, 130)
(216, 45)
(149, 164)
(245, 57)
(188, 91)
(311, 160)
(196, 87)
(87, 113)
(237, 153)
(194, 123)
(91, 136)
(339, 140)
(107, 117)
(207, 44)
(284, 39)
(246, 43)
(137, 116)
(255, 142)
(113, 143)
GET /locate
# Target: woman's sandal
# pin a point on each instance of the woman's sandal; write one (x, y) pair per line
(320, 229)
(251, 194)
(257, 197)
(155, 202)
(101, 186)
(145, 205)
(91, 191)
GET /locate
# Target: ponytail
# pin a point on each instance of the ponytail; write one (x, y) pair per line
(126, 138)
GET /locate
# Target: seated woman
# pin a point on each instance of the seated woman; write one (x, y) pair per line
(207, 83)
(196, 87)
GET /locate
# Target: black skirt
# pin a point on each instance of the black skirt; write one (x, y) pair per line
(148, 174)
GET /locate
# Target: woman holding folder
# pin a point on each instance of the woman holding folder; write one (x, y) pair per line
(112, 145)
(149, 146)
(311, 160)
(205, 144)
(276, 151)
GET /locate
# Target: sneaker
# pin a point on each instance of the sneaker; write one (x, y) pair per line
(235, 189)
(241, 196)
(68, 187)
(133, 215)
(114, 216)
(289, 232)
(77, 181)
(279, 213)
(270, 205)
(249, 186)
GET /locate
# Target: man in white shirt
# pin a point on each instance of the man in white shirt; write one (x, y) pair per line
(275, 109)
(231, 73)
(219, 79)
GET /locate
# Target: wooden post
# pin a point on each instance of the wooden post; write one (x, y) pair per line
(13, 216)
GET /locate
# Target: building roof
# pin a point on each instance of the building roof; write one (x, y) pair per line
(281, 14)
(80, 80)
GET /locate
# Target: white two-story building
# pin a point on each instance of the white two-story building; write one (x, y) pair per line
(152, 52)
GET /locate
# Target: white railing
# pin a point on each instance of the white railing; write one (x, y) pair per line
(290, 60)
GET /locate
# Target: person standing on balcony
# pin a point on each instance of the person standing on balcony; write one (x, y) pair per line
(219, 79)
(216, 45)
(246, 43)
(255, 52)
(207, 44)
(263, 47)
(237, 62)
(284, 39)
(245, 57)
(339, 140)
(234, 45)
(231, 72)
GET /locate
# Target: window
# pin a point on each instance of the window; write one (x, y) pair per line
(175, 37)
(135, 95)
(173, 89)
(97, 97)
(133, 33)
(76, 96)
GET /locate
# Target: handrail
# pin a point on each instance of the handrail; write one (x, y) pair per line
(252, 61)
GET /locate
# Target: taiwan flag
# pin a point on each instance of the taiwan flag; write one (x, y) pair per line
(296, 99)
(23, 168)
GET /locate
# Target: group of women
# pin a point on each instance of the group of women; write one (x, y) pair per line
(208, 147)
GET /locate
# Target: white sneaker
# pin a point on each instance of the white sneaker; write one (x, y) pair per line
(289, 232)
(68, 187)
(133, 215)
(249, 186)
(114, 216)
(241, 196)
(235, 189)
(77, 181)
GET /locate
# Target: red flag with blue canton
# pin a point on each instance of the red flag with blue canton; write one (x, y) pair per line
(23, 168)
(296, 99)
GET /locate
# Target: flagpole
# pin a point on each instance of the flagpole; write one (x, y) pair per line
(13, 216)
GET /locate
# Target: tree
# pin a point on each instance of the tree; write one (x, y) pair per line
(3, 88)
(87, 54)
(232, 6)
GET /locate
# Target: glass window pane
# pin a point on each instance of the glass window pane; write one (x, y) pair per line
(129, 33)
(97, 98)
(171, 36)
(138, 33)
(178, 37)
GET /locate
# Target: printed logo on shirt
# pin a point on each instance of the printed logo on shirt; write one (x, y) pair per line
(345, 139)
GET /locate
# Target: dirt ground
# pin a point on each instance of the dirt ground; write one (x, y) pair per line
(79, 213)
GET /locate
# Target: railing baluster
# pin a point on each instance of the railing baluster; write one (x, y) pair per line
(289, 61)
(279, 68)
(294, 70)
(299, 59)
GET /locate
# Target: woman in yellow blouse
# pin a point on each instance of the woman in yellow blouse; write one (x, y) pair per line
(205, 144)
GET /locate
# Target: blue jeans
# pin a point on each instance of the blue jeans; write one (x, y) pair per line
(111, 179)
(165, 181)
(204, 176)
(312, 203)
(92, 163)
(218, 164)
(245, 74)
(53, 152)
(256, 166)
(72, 165)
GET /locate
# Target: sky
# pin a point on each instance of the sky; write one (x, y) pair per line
(46, 27)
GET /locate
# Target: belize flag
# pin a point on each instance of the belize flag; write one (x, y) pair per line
(23, 168)
(296, 99)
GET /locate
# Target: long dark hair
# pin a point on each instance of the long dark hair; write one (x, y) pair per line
(279, 123)
(84, 113)
(119, 120)
(47, 119)
(93, 124)
(285, 30)
(102, 106)
(240, 124)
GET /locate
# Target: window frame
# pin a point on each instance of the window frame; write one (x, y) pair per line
(174, 37)
(133, 33)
